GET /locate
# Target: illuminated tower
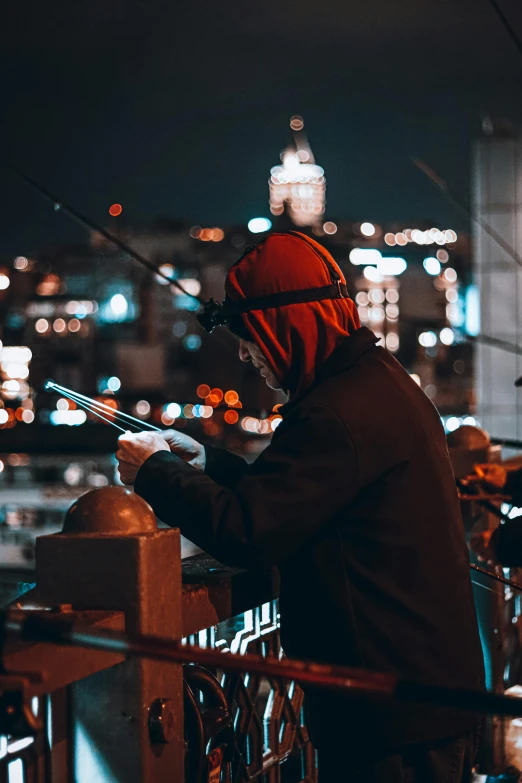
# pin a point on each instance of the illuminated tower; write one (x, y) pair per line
(298, 183)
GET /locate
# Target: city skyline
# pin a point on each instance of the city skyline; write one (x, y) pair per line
(150, 110)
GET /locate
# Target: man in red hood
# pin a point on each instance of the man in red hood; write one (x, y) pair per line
(354, 501)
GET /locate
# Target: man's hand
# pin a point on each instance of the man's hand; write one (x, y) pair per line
(493, 476)
(186, 447)
(134, 448)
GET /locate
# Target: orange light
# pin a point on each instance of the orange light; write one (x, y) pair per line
(19, 414)
(111, 403)
(231, 397)
(115, 210)
(231, 417)
(276, 407)
(217, 394)
(203, 390)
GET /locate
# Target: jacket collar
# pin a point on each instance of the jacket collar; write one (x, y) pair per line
(344, 356)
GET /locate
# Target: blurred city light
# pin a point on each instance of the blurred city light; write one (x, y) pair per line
(452, 424)
(119, 305)
(115, 210)
(367, 229)
(329, 227)
(296, 123)
(114, 383)
(168, 271)
(143, 408)
(259, 224)
(191, 286)
(389, 266)
(192, 342)
(472, 320)
(432, 265)
(173, 410)
(231, 417)
(450, 275)
(428, 339)
(71, 418)
(365, 255)
(59, 325)
(372, 274)
(231, 397)
(447, 336)
(4, 282)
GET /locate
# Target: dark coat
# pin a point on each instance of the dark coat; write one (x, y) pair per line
(355, 502)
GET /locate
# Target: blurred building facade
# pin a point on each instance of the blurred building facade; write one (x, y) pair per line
(497, 185)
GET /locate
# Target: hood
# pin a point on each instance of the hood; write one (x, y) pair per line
(296, 339)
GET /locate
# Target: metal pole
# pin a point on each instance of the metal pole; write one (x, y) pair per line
(62, 631)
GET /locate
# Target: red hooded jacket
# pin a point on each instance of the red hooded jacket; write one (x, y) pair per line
(295, 339)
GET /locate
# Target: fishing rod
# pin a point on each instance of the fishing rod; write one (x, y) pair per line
(496, 577)
(507, 25)
(211, 313)
(62, 206)
(36, 626)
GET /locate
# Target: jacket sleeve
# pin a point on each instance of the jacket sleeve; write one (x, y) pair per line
(223, 467)
(513, 487)
(301, 481)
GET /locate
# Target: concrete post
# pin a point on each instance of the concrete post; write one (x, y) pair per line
(128, 720)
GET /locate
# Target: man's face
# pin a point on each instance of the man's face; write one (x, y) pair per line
(250, 352)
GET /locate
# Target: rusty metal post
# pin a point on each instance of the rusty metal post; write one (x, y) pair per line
(127, 721)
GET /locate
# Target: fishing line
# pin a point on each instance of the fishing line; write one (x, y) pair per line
(97, 413)
(76, 397)
(489, 589)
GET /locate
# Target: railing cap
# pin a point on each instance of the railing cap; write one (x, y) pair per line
(110, 511)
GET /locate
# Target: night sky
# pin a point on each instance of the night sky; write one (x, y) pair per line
(180, 109)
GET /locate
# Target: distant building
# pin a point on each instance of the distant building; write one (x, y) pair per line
(298, 185)
(497, 174)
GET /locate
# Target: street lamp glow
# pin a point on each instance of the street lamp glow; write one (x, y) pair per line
(259, 224)
(428, 339)
(365, 255)
(432, 266)
(447, 336)
(114, 383)
(389, 266)
(173, 410)
(119, 304)
(452, 424)
(367, 229)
